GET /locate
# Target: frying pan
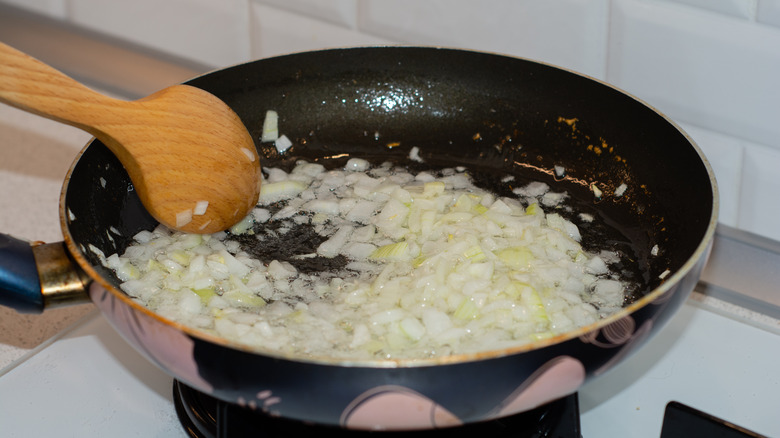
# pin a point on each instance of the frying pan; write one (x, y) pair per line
(495, 114)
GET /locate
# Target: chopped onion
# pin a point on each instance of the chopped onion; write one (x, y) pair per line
(357, 165)
(435, 266)
(282, 144)
(596, 191)
(414, 154)
(620, 190)
(183, 217)
(270, 127)
(279, 191)
(200, 208)
(249, 154)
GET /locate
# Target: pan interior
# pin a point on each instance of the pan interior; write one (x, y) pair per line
(495, 115)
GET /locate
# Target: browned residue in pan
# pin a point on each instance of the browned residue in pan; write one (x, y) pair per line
(607, 176)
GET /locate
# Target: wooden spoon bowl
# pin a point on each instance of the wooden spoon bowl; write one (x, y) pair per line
(190, 158)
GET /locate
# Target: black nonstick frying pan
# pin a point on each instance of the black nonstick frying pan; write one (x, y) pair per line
(497, 115)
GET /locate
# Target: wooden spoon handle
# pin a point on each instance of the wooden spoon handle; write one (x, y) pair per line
(33, 86)
(190, 158)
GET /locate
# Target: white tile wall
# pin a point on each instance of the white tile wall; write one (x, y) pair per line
(769, 12)
(277, 31)
(53, 8)
(737, 8)
(569, 33)
(340, 12)
(707, 69)
(711, 65)
(215, 32)
(760, 190)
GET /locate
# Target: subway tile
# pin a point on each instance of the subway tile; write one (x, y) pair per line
(759, 208)
(275, 31)
(768, 12)
(214, 32)
(51, 8)
(706, 69)
(341, 12)
(737, 8)
(725, 155)
(570, 33)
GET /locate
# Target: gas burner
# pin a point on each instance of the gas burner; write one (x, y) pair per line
(204, 416)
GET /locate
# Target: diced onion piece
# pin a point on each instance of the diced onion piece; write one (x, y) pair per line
(332, 247)
(414, 154)
(282, 144)
(531, 299)
(413, 328)
(396, 251)
(533, 189)
(183, 217)
(517, 257)
(432, 189)
(596, 191)
(243, 225)
(279, 191)
(475, 254)
(270, 127)
(249, 154)
(357, 165)
(467, 309)
(200, 208)
(244, 299)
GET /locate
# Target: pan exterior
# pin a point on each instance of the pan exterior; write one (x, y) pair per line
(403, 398)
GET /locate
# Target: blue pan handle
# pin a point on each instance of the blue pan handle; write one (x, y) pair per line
(20, 287)
(38, 277)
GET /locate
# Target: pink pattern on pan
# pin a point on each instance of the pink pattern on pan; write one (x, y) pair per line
(397, 408)
(622, 333)
(557, 378)
(163, 344)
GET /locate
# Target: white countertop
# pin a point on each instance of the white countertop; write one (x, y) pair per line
(35, 155)
(707, 357)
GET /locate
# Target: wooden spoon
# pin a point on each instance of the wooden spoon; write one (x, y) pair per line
(189, 156)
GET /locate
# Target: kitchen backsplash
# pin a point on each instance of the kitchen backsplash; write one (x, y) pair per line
(712, 65)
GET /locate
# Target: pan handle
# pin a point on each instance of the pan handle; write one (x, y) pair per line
(19, 284)
(39, 276)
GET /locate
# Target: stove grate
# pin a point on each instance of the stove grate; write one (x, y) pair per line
(203, 416)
